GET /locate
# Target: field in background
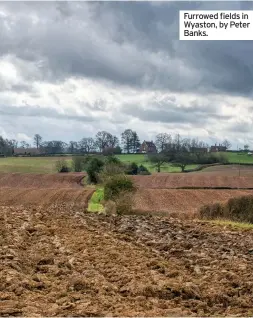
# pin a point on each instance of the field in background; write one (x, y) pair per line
(30, 165)
(141, 159)
(47, 164)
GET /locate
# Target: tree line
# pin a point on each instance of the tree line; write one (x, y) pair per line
(106, 143)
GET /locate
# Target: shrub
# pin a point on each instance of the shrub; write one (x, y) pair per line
(113, 160)
(62, 166)
(78, 163)
(112, 151)
(132, 169)
(236, 209)
(110, 170)
(94, 167)
(117, 184)
(124, 203)
(212, 211)
(143, 170)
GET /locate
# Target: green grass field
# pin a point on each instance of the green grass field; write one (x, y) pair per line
(239, 157)
(47, 164)
(142, 159)
(30, 165)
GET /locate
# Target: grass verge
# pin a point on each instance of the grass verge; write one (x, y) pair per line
(95, 201)
(234, 225)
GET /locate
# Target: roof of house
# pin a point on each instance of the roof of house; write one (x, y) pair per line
(149, 143)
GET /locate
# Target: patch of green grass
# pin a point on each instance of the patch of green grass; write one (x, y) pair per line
(95, 201)
(239, 157)
(143, 159)
(235, 225)
(30, 164)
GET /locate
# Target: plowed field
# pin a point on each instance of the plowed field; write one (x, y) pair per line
(45, 197)
(170, 181)
(175, 201)
(227, 170)
(61, 263)
(56, 180)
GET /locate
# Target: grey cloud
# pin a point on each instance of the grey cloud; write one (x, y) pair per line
(38, 112)
(241, 127)
(129, 43)
(194, 115)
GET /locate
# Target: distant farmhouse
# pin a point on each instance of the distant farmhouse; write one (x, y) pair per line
(148, 147)
(219, 148)
(27, 151)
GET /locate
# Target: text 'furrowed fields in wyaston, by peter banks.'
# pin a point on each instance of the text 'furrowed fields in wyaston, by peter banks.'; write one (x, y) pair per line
(216, 25)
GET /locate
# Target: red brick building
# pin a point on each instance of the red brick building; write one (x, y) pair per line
(219, 148)
(148, 147)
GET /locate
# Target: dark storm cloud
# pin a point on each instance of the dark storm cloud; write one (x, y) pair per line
(36, 111)
(128, 43)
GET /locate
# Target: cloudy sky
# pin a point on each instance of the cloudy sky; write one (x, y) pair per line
(70, 69)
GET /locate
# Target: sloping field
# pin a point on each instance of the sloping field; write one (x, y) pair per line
(65, 264)
(227, 170)
(171, 181)
(56, 180)
(45, 197)
(175, 201)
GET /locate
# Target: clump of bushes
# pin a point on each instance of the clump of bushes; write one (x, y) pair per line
(134, 169)
(94, 167)
(143, 170)
(238, 209)
(116, 185)
(78, 163)
(62, 166)
(119, 190)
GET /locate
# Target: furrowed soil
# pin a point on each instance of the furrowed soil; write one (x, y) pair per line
(58, 262)
(177, 201)
(190, 180)
(45, 197)
(55, 180)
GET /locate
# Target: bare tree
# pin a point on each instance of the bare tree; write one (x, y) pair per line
(158, 160)
(130, 141)
(24, 144)
(226, 144)
(87, 145)
(37, 140)
(162, 140)
(105, 139)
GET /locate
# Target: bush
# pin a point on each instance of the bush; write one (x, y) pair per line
(212, 211)
(132, 169)
(78, 163)
(109, 170)
(143, 170)
(236, 209)
(113, 160)
(116, 185)
(62, 166)
(112, 151)
(124, 203)
(94, 167)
